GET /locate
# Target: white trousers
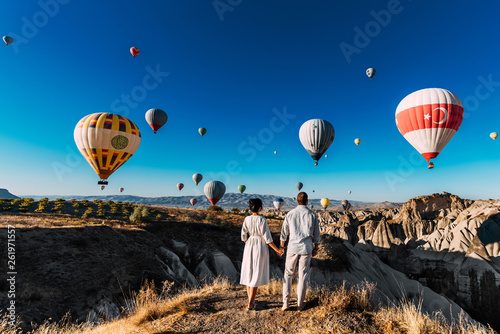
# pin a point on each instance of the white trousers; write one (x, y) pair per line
(304, 265)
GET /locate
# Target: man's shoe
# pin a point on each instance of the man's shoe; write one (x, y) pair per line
(301, 307)
(285, 307)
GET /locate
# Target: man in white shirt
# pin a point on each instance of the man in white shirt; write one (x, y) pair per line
(302, 227)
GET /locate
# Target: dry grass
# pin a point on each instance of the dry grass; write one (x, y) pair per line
(218, 307)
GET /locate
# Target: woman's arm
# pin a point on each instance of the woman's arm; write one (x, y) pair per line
(276, 249)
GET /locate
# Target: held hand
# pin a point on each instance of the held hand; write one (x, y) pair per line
(314, 252)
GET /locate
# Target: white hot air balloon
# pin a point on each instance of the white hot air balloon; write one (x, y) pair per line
(214, 190)
(370, 72)
(428, 119)
(197, 178)
(316, 135)
(278, 203)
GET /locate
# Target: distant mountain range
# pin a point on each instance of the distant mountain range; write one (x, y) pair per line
(4, 193)
(229, 201)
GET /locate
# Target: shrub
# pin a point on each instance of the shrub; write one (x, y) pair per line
(21, 209)
(140, 215)
(7, 208)
(101, 213)
(88, 212)
(15, 201)
(214, 208)
(76, 204)
(158, 217)
(235, 210)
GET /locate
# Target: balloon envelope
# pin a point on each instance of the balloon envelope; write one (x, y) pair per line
(202, 131)
(102, 187)
(428, 119)
(180, 186)
(325, 202)
(156, 118)
(493, 135)
(214, 190)
(197, 178)
(8, 39)
(193, 201)
(241, 188)
(134, 51)
(370, 72)
(345, 204)
(121, 190)
(106, 141)
(349, 192)
(299, 185)
(316, 135)
(278, 203)
(357, 141)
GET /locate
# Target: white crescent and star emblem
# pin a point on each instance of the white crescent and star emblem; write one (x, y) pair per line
(445, 115)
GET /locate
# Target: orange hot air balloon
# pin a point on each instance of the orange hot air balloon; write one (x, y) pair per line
(134, 51)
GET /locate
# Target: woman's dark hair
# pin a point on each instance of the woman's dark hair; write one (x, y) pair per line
(254, 204)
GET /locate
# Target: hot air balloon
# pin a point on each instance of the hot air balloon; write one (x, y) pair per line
(134, 51)
(193, 201)
(106, 141)
(370, 72)
(326, 156)
(346, 205)
(316, 135)
(121, 190)
(325, 202)
(493, 135)
(180, 186)
(214, 190)
(349, 192)
(197, 178)
(278, 203)
(202, 131)
(156, 118)
(8, 40)
(357, 141)
(102, 187)
(428, 119)
(241, 188)
(299, 185)
(275, 152)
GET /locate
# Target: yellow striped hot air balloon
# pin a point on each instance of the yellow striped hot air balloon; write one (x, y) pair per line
(106, 141)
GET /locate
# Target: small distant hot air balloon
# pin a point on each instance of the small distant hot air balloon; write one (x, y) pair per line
(370, 72)
(299, 185)
(430, 165)
(134, 51)
(156, 118)
(326, 156)
(325, 202)
(8, 39)
(278, 203)
(180, 186)
(275, 152)
(313, 190)
(106, 141)
(241, 188)
(493, 135)
(102, 187)
(357, 141)
(121, 190)
(346, 205)
(193, 201)
(316, 135)
(428, 119)
(202, 131)
(214, 190)
(349, 192)
(197, 178)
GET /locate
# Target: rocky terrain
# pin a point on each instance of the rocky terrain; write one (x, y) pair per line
(439, 250)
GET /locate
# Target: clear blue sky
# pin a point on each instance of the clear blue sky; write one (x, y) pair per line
(232, 69)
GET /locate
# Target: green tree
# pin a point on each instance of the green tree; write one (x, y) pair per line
(140, 215)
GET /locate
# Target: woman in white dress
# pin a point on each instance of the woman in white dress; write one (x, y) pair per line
(255, 265)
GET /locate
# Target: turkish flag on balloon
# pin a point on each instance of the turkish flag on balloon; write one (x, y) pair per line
(428, 119)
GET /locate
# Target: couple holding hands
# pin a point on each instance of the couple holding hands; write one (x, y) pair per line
(301, 227)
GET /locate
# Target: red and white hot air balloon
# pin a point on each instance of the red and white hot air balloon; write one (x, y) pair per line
(193, 201)
(180, 186)
(428, 119)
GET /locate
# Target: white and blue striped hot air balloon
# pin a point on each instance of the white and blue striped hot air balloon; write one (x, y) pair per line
(316, 135)
(278, 203)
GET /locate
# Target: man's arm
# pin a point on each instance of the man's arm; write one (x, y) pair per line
(284, 232)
